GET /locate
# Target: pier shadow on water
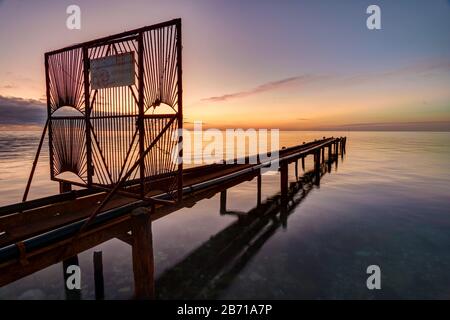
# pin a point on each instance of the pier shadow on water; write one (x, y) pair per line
(209, 269)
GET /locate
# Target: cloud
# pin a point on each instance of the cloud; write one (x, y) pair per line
(18, 111)
(424, 67)
(392, 126)
(269, 86)
(419, 68)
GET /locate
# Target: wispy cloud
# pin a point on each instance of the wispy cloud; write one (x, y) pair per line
(392, 126)
(269, 86)
(17, 111)
(419, 68)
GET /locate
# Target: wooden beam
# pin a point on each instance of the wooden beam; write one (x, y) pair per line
(44, 257)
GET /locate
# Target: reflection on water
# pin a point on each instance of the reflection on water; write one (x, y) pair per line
(386, 203)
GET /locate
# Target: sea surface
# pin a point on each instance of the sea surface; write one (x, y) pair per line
(386, 203)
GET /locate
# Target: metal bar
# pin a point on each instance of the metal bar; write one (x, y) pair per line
(180, 110)
(32, 204)
(87, 113)
(49, 115)
(141, 112)
(36, 158)
(130, 171)
(119, 36)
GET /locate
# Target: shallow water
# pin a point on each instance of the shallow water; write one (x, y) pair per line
(386, 203)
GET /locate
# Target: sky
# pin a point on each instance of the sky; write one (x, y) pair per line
(304, 65)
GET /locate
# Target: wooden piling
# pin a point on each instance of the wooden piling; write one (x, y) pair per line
(98, 276)
(71, 294)
(258, 184)
(223, 202)
(296, 170)
(64, 187)
(329, 157)
(284, 181)
(143, 262)
(303, 163)
(317, 166)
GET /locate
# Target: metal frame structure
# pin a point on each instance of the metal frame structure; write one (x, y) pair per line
(119, 138)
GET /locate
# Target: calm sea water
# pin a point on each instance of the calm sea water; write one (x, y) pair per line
(386, 203)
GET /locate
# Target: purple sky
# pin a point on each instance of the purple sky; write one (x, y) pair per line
(256, 63)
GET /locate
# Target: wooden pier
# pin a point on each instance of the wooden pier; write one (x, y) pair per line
(38, 233)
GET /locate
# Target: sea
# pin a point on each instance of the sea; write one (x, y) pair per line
(386, 203)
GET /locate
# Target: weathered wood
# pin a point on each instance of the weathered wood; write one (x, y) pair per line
(54, 253)
(284, 181)
(317, 166)
(65, 187)
(98, 276)
(329, 157)
(143, 263)
(259, 187)
(126, 237)
(223, 202)
(71, 294)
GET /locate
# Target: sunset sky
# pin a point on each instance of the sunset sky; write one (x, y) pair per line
(256, 63)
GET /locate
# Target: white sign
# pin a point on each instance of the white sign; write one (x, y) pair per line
(112, 71)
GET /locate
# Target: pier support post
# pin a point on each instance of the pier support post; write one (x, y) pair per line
(98, 276)
(323, 154)
(296, 170)
(143, 263)
(317, 166)
(71, 294)
(258, 184)
(303, 163)
(65, 187)
(336, 161)
(329, 158)
(284, 182)
(223, 202)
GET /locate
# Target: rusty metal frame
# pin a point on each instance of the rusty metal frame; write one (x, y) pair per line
(85, 144)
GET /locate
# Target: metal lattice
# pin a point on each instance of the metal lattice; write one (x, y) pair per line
(116, 127)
